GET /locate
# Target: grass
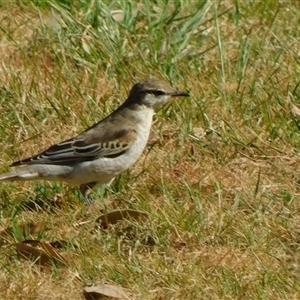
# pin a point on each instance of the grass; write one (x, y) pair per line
(219, 178)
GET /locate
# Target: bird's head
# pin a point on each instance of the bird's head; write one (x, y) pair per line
(153, 93)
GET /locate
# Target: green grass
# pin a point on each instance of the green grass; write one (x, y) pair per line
(223, 206)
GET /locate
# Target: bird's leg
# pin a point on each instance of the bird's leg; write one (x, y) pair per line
(86, 189)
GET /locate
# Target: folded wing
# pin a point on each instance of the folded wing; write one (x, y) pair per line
(86, 147)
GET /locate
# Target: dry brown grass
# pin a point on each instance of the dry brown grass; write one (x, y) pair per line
(219, 179)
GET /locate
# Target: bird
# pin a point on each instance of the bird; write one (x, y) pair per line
(103, 151)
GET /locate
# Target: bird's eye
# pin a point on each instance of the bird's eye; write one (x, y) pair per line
(158, 93)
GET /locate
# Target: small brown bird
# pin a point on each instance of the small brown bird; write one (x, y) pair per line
(103, 151)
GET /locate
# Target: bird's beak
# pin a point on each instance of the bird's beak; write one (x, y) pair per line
(179, 94)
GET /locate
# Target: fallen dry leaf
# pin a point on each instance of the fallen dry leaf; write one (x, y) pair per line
(108, 290)
(44, 256)
(31, 253)
(118, 215)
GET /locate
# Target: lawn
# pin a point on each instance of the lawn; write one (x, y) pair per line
(215, 195)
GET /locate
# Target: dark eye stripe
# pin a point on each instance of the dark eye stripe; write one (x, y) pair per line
(155, 92)
(158, 93)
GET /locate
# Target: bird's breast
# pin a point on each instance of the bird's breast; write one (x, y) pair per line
(104, 169)
(143, 127)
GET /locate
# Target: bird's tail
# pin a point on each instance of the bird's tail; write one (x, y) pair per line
(20, 174)
(38, 172)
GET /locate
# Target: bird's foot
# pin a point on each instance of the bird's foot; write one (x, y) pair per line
(86, 189)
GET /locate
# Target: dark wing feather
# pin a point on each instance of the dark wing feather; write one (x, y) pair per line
(90, 145)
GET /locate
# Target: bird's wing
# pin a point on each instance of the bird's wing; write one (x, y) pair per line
(88, 146)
